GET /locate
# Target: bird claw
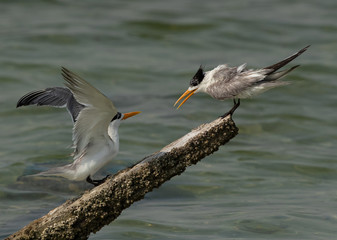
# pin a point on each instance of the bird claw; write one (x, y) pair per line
(97, 182)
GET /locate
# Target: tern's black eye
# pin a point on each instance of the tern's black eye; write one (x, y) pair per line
(198, 77)
(117, 116)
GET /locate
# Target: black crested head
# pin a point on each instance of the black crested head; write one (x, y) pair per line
(198, 77)
(117, 116)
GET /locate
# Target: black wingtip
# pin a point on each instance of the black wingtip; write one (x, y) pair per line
(303, 49)
(64, 70)
(66, 74)
(24, 100)
(296, 66)
(284, 62)
(21, 102)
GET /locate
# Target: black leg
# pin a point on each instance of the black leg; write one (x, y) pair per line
(96, 182)
(231, 112)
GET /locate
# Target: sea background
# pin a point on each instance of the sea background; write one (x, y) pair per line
(277, 179)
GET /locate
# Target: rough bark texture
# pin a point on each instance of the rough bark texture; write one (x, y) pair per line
(77, 218)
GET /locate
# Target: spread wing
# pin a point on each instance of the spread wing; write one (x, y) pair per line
(93, 121)
(55, 97)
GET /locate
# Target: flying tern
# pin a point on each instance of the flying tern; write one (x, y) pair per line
(96, 123)
(224, 82)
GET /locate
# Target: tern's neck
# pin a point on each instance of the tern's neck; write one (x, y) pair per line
(113, 132)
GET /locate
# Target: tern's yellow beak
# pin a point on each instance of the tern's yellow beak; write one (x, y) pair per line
(188, 93)
(130, 114)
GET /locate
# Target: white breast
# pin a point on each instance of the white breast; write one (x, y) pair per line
(95, 157)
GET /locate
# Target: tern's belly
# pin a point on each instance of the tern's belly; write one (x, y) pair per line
(92, 161)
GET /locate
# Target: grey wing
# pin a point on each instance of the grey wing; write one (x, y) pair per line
(93, 121)
(55, 97)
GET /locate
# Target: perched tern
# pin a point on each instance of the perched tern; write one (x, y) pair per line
(96, 123)
(224, 82)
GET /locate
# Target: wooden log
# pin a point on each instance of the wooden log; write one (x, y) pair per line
(78, 217)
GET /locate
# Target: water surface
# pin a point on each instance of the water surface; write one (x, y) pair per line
(275, 180)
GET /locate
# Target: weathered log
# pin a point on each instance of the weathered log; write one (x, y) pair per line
(78, 217)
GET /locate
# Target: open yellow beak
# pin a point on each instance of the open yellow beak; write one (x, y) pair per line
(188, 93)
(130, 114)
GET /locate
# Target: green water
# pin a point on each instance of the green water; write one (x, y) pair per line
(276, 180)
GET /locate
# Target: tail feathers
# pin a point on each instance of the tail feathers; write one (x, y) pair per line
(284, 62)
(64, 171)
(277, 75)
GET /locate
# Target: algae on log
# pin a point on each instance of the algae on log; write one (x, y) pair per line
(77, 218)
